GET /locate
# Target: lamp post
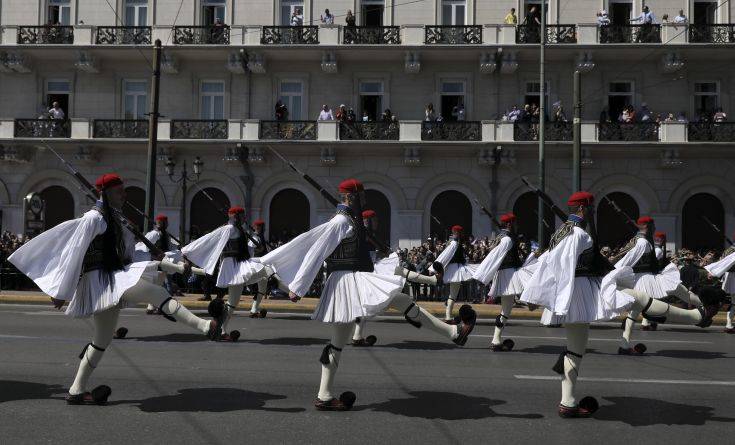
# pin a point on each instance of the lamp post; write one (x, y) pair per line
(183, 178)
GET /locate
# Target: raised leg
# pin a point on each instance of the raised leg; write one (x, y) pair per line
(146, 292)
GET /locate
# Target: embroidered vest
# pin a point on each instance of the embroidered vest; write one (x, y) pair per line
(352, 253)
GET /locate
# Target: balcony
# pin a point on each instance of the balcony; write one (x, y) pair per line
(202, 35)
(288, 130)
(48, 35)
(368, 131)
(630, 34)
(123, 35)
(451, 131)
(42, 128)
(724, 33)
(371, 35)
(711, 132)
(635, 131)
(453, 35)
(290, 35)
(553, 131)
(555, 34)
(120, 128)
(198, 129)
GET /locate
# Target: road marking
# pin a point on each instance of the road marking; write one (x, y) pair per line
(598, 339)
(620, 380)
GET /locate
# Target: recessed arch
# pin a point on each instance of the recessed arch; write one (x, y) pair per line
(289, 214)
(696, 232)
(136, 198)
(613, 228)
(58, 205)
(640, 190)
(377, 201)
(203, 215)
(449, 208)
(525, 208)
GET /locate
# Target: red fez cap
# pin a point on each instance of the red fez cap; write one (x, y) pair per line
(508, 217)
(235, 210)
(368, 214)
(258, 222)
(645, 220)
(161, 217)
(660, 234)
(581, 199)
(351, 186)
(107, 180)
(457, 228)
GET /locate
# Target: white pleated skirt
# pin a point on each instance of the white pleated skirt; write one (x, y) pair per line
(658, 286)
(549, 318)
(348, 295)
(387, 266)
(459, 273)
(234, 273)
(95, 293)
(593, 301)
(507, 282)
(728, 283)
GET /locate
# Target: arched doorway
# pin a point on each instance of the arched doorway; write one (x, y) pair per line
(289, 215)
(526, 210)
(450, 207)
(58, 205)
(136, 197)
(697, 234)
(379, 203)
(613, 228)
(204, 215)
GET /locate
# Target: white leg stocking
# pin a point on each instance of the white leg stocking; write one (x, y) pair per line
(730, 315)
(402, 302)
(104, 325)
(628, 328)
(340, 335)
(649, 306)
(453, 292)
(505, 310)
(262, 289)
(234, 293)
(683, 294)
(146, 292)
(417, 277)
(359, 329)
(577, 335)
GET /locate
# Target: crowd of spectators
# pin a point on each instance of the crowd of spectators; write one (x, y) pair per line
(630, 115)
(10, 278)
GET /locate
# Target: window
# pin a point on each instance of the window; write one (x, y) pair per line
(58, 90)
(291, 93)
(136, 96)
(537, 3)
(371, 99)
(621, 11)
(533, 94)
(59, 12)
(288, 7)
(706, 98)
(453, 12)
(136, 12)
(212, 93)
(705, 12)
(212, 11)
(372, 12)
(619, 96)
(452, 96)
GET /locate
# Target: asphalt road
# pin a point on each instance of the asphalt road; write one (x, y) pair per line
(172, 386)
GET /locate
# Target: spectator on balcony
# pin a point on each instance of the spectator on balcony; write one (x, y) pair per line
(341, 114)
(365, 117)
(350, 19)
(647, 20)
(351, 117)
(719, 115)
(511, 18)
(533, 18)
(513, 114)
(602, 18)
(681, 117)
(681, 19)
(327, 18)
(645, 114)
(429, 114)
(670, 118)
(604, 116)
(458, 113)
(297, 19)
(281, 111)
(218, 32)
(628, 115)
(387, 116)
(559, 114)
(55, 112)
(326, 114)
(533, 24)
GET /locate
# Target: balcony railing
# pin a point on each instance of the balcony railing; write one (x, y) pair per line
(49, 35)
(553, 131)
(120, 128)
(451, 131)
(554, 34)
(724, 33)
(711, 132)
(123, 35)
(635, 131)
(371, 35)
(42, 128)
(202, 35)
(369, 131)
(453, 35)
(290, 35)
(630, 34)
(288, 130)
(198, 129)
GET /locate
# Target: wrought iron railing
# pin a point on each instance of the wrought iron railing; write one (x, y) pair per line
(202, 35)
(711, 132)
(123, 35)
(120, 128)
(49, 34)
(453, 35)
(553, 131)
(198, 129)
(290, 130)
(722, 33)
(42, 128)
(630, 34)
(634, 131)
(290, 35)
(369, 131)
(371, 35)
(451, 131)
(554, 34)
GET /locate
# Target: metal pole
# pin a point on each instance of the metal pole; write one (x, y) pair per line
(577, 140)
(542, 124)
(150, 197)
(182, 214)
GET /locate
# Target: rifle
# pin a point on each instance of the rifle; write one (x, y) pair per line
(561, 214)
(487, 212)
(717, 229)
(620, 211)
(328, 196)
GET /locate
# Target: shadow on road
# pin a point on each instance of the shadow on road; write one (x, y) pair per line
(444, 406)
(174, 338)
(12, 390)
(291, 341)
(637, 411)
(550, 349)
(688, 354)
(215, 400)
(425, 345)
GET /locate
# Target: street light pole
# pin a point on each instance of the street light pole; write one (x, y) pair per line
(150, 183)
(182, 214)
(184, 178)
(542, 124)
(577, 139)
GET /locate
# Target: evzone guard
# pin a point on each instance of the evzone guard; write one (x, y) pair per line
(456, 270)
(569, 281)
(258, 246)
(160, 238)
(87, 263)
(725, 269)
(353, 289)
